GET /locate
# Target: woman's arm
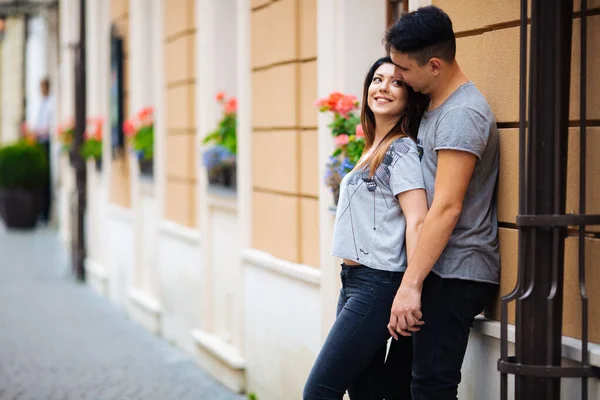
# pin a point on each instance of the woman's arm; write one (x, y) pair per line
(414, 207)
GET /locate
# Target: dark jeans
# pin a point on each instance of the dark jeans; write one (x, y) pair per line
(47, 189)
(449, 307)
(353, 355)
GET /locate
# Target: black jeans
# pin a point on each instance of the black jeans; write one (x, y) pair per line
(353, 355)
(449, 307)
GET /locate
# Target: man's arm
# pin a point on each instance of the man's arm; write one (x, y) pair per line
(452, 179)
(414, 207)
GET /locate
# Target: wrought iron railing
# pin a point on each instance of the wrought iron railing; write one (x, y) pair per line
(542, 221)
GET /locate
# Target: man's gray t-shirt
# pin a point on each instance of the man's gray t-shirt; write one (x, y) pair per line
(370, 226)
(465, 122)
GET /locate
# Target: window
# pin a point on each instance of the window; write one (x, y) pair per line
(395, 8)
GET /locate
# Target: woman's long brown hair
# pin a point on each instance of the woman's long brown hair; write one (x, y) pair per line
(407, 125)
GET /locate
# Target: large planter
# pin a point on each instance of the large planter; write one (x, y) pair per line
(20, 208)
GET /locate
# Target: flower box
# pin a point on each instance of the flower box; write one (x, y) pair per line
(139, 129)
(92, 141)
(220, 159)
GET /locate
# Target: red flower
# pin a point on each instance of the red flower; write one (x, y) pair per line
(220, 96)
(231, 106)
(332, 100)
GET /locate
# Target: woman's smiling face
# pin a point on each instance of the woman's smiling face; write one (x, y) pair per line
(388, 94)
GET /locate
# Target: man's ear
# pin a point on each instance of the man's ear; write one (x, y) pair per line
(435, 66)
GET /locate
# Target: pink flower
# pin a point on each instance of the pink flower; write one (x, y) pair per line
(231, 106)
(146, 116)
(346, 104)
(342, 140)
(320, 102)
(129, 128)
(97, 128)
(24, 128)
(220, 96)
(359, 131)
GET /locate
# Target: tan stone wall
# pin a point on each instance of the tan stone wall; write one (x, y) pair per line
(488, 52)
(284, 155)
(120, 192)
(180, 86)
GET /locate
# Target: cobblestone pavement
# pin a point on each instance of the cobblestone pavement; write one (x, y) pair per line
(60, 341)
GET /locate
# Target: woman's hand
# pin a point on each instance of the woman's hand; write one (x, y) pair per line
(406, 315)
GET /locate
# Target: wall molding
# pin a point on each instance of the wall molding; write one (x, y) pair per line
(145, 309)
(122, 213)
(221, 360)
(177, 231)
(97, 276)
(266, 261)
(222, 199)
(219, 348)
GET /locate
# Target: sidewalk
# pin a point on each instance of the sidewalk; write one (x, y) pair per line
(60, 341)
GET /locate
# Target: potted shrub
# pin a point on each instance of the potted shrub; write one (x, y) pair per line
(348, 136)
(220, 159)
(140, 131)
(23, 174)
(92, 141)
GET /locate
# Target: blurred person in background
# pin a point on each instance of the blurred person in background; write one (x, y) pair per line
(41, 130)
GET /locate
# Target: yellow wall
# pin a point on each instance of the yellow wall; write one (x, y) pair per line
(120, 192)
(284, 155)
(488, 52)
(180, 86)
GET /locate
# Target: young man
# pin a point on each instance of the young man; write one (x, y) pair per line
(455, 269)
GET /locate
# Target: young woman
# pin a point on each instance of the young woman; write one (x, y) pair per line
(381, 207)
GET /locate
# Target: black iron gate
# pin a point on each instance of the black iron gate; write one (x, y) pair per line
(542, 222)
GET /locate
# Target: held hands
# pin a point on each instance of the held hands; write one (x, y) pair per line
(406, 311)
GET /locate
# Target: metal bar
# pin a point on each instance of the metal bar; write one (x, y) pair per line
(544, 371)
(582, 193)
(539, 322)
(522, 176)
(78, 250)
(557, 220)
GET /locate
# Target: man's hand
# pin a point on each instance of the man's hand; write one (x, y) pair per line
(406, 311)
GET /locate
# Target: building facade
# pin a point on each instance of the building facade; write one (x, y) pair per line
(243, 279)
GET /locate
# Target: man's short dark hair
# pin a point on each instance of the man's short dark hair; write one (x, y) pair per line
(423, 34)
